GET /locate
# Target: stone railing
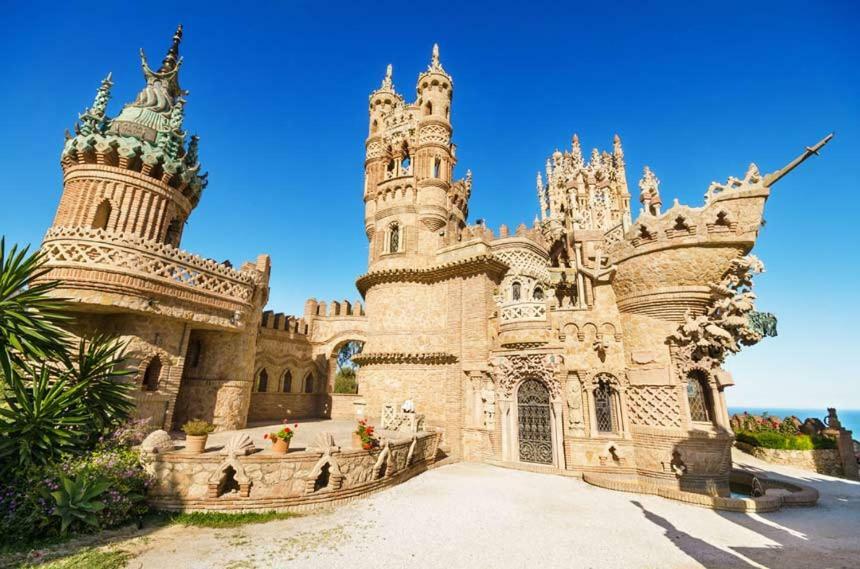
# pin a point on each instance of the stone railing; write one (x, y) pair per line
(98, 250)
(523, 312)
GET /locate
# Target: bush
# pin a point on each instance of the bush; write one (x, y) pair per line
(27, 513)
(781, 441)
(344, 381)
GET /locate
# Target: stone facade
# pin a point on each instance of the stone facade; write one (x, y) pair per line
(585, 343)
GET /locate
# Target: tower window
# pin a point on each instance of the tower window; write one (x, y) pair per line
(428, 109)
(287, 385)
(309, 383)
(603, 407)
(516, 291)
(394, 238)
(262, 381)
(374, 127)
(538, 293)
(100, 221)
(152, 375)
(698, 397)
(437, 167)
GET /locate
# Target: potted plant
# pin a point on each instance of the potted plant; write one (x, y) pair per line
(281, 439)
(363, 436)
(196, 433)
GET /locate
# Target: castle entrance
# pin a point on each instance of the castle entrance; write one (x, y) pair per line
(535, 422)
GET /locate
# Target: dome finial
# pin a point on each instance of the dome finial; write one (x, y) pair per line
(387, 81)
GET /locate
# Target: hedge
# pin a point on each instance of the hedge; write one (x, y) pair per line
(777, 440)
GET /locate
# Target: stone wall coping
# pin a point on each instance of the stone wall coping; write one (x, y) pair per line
(465, 267)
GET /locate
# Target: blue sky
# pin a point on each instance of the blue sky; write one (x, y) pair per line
(279, 98)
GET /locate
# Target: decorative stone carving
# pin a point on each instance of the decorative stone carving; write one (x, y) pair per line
(488, 403)
(575, 418)
(705, 340)
(156, 442)
(510, 370)
(324, 441)
(240, 445)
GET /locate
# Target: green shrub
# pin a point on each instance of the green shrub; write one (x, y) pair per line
(781, 441)
(197, 427)
(76, 501)
(344, 381)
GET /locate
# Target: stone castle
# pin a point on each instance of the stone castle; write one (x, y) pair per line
(587, 342)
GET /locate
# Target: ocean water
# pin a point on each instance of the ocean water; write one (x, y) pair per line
(850, 418)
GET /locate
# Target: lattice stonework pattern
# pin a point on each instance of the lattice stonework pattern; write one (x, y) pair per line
(654, 406)
(524, 262)
(433, 133)
(95, 248)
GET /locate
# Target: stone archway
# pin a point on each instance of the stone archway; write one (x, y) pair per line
(534, 421)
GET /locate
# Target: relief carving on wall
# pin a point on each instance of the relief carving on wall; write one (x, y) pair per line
(508, 371)
(575, 418)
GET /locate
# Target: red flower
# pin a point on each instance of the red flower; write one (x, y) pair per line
(366, 446)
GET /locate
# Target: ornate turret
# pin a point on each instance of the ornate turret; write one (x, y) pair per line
(649, 188)
(132, 174)
(408, 168)
(585, 196)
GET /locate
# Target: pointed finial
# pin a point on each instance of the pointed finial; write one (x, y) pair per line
(435, 64)
(171, 60)
(387, 81)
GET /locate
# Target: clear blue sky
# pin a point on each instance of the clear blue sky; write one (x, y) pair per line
(279, 97)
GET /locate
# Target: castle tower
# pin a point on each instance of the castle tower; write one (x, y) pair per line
(134, 174)
(129, 185)
(411, 200)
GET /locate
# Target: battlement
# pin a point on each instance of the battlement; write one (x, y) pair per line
(284, 322)
(480, 230)
(315, 309)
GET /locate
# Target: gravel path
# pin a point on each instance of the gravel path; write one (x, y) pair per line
(472, 515)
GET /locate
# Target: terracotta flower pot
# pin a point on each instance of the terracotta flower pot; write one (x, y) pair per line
(280, 446)
(356, 441)
(195, 444)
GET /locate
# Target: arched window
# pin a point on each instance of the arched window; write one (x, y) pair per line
(604, 409)
(437, 167)
(394, 238)
(516, 291)
(262, 381)
(100, 221)
(152, 375)
(448, 113)
(428, 109)
(287, 384)
(698, 396)
(538, 293)
(374, 127)
(174, 230)
(309, 383)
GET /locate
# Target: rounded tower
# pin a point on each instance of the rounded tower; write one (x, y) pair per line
(133, 174)
(411, 201)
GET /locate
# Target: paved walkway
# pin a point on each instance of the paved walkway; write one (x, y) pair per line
(472, 515)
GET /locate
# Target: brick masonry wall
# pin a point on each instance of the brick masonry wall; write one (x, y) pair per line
(278, 406)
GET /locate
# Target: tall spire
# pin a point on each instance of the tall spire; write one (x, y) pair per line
(171, 59)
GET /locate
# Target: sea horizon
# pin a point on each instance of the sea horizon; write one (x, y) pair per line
(850, 418)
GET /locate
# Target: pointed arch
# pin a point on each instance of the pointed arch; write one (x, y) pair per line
(261, 384)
